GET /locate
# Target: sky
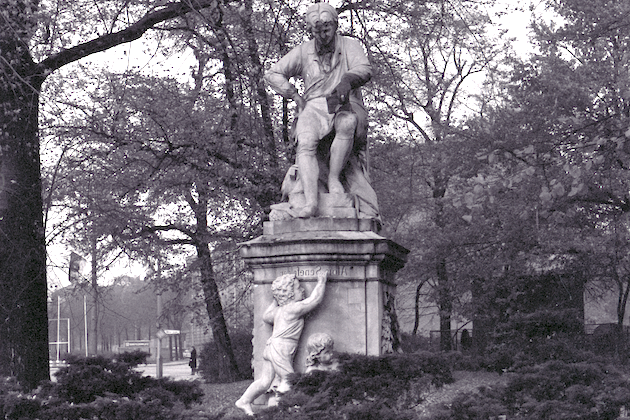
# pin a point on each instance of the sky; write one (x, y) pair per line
(515, 17)
(512, 15)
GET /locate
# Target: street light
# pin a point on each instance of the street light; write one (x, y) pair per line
(160, 335)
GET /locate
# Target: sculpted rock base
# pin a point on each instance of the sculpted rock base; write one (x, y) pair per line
(330, 205)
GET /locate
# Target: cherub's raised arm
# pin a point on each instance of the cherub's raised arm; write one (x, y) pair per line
(304, 306)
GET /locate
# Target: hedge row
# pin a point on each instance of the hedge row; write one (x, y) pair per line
(379, 388)
(98, 388)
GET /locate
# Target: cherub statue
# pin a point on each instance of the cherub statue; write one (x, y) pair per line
(286, 314)
(320, 353)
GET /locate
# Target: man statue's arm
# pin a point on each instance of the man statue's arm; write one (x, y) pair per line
(277, 77)
(359, 71)
(348, 82)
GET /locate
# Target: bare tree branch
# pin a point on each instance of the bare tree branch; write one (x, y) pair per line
(131, 33)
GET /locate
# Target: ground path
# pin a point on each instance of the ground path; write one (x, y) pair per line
(178, 369)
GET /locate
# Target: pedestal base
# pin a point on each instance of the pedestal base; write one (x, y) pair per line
(357, 310)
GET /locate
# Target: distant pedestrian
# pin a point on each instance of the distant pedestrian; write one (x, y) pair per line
(193, 360)
(465, 340)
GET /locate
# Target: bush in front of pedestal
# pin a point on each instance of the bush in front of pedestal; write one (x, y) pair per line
(364, 387)
(104, 389)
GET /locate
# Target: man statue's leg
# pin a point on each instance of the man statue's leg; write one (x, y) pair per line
(308, 168)
(345, 126)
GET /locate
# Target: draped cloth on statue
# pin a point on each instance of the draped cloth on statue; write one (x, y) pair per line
(281, 347)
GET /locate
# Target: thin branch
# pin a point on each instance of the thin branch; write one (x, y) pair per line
(131, 33)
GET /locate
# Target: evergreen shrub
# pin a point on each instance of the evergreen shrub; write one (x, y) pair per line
(103, 389)
(86, 378)
(549, 391)
(133, 358)
(364, 387)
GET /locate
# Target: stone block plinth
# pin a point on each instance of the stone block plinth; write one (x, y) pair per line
(358, 306)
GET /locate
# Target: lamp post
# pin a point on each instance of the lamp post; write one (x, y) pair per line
(160, 334)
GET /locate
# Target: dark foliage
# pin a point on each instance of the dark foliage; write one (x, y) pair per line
(551, 390)
(85, 379)
(525, 339)
(364, 388)
(542, 323)
(12, 405)
(464, 361)
(241, 341)
(133, 358)
(520, 310)
(410, 343)
(611, 340)
(104, 389)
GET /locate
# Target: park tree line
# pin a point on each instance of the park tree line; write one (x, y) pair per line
(487, 165)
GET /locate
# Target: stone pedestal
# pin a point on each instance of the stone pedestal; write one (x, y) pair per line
(358, 306)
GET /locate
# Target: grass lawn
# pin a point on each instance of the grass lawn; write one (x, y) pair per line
(220, 398)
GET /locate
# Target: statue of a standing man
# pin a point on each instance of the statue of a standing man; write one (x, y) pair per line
(333, 68)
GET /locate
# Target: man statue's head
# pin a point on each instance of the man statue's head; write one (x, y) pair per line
(321, 20)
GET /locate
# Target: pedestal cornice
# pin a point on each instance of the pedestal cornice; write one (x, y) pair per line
(323, 241)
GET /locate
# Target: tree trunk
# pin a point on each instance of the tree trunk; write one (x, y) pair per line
(444, 299)
(620, 337)
(93, 332)
(23, 289)
(259, 86)
(416, 321)
(228, 368)
(622, 301)
(482, 322)
(271, 193)
(445, 306)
